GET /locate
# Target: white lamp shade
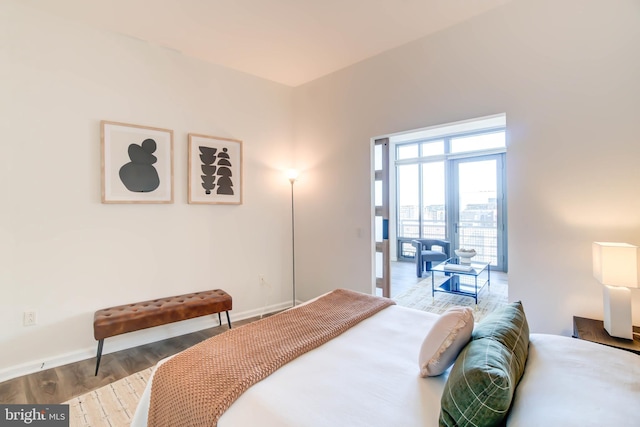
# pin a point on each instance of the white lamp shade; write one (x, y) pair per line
(616, 264)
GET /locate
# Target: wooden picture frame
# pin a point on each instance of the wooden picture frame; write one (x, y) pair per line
(215, 170)
(137, 163)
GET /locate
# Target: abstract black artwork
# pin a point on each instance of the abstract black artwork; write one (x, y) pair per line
(139, 174)
(137, 164)
(215, 170)
(216, 174)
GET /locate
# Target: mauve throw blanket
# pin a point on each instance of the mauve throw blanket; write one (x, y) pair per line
(195, 387)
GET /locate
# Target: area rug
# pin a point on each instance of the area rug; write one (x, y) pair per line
(419, 297)
(110, 406)
(114, 405)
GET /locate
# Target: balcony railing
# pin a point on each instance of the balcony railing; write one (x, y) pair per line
(483, 238)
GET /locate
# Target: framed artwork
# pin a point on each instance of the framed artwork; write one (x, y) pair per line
(215, 170)
(137, 163)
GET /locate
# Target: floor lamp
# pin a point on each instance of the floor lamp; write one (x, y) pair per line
(293, 175)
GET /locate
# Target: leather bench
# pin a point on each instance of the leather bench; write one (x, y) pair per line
(121, 319)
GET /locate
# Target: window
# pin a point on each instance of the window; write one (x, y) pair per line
(450, 185)
(477, 142)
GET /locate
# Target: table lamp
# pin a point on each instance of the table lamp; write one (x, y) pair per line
(615, 265)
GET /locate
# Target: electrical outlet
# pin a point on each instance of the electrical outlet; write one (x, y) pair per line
(29, 318)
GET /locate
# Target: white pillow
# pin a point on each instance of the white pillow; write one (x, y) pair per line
(445, 340)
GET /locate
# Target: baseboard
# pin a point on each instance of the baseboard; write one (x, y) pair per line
(134, 339)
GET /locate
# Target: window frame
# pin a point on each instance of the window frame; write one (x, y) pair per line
(447, 157)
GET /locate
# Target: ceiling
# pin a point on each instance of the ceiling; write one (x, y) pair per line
(287, 41)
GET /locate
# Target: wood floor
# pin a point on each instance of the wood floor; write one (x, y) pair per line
(57, 385)
(403, 276)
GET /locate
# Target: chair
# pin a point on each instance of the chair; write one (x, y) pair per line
(427, 252)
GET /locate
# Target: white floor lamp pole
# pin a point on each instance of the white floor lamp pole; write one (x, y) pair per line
(293, 175)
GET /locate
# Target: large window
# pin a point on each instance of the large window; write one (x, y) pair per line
(451, 186)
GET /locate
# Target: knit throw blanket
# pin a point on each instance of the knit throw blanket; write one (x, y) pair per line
(195, 387)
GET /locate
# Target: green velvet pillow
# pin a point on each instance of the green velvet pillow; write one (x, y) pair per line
(481, 383)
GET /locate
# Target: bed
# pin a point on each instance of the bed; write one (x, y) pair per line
(370, 375)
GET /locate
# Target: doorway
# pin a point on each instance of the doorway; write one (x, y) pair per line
(446, 182)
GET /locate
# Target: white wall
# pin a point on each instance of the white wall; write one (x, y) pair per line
(65, 254)
(567, 76)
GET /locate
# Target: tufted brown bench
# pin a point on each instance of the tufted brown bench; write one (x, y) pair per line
(118, 320)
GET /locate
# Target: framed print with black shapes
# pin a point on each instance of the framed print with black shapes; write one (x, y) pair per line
(215, 170)
(137, 163)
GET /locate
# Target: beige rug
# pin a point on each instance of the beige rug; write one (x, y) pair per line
(419, 297)
(114, 405)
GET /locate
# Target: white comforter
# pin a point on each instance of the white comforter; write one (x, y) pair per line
(569, 382)
(368, 377)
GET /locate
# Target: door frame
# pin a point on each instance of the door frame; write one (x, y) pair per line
(382, 247)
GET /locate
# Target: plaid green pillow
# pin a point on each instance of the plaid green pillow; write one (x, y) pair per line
(481, 383)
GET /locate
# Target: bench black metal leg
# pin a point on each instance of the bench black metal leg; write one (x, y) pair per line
(219, 319)
(99, 355)
(228, 319)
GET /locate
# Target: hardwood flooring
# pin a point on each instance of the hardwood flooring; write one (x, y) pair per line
(403, 277)
(62, 383)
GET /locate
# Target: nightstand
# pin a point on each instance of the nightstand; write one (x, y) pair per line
(593, 330)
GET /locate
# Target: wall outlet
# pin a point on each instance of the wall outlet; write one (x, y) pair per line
(29, 318)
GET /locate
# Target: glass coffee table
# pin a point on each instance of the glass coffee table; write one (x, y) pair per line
(461, 279)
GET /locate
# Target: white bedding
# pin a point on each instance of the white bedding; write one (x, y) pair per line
(369, 377)
(570, 382)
